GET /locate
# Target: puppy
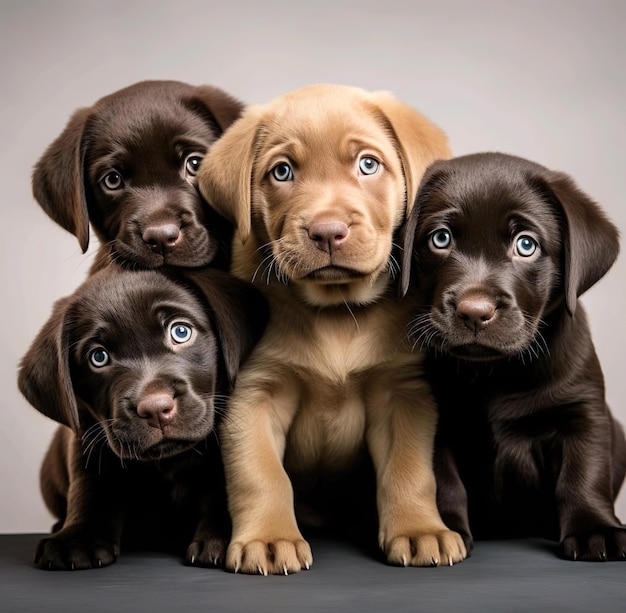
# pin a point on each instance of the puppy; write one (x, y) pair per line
(136, 367)
(501, 248)
(128, 165)
(316, 182)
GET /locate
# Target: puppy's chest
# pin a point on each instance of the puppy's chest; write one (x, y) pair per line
(332, 348)
(335, 367)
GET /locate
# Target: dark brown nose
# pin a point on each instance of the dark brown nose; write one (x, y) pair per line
(329, 235)
(476, 312)
(161, 238)
(158, 409)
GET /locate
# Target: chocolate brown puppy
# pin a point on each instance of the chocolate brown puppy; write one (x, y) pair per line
(137, 366)
(500, 249)
(127, 165)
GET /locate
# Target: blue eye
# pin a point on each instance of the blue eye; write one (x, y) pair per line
(192, 164)
(180, 332)
(441, 239)
(282, 172)
(113, 180)
(99, 357)
(368, 165)
(525, 246)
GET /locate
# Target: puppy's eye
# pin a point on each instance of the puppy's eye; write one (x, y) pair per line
(192, 163)
(282, 172)
(368, 165)
(113, 180)
(99, 357)
(441, 239)
(525, 246)
(180, 332)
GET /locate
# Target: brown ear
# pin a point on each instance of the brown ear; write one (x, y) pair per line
(225, 176)
(406, 237)
(420, 142)
(591, 241)
(239, 310)
(58, 184)
(224, 108)
(44, 375)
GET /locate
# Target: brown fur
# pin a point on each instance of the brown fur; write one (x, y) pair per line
(526, 443)
(333, 375)
(150, 134)
(136, 450)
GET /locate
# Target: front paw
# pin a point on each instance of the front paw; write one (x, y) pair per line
(597, 546)
(269, 557)
(206, 552)
(443, 547)
(75, 551)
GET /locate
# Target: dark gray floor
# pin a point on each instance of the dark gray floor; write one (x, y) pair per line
(507, 576)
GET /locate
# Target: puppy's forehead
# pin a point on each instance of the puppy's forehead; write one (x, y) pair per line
(144, 125)
(130, 302)
(325, 119)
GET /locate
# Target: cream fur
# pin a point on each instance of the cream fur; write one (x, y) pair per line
(334, 371)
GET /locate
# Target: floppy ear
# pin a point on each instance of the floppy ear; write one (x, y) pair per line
(239, 311)
(406, 237)
(420, 142)
(225, 175)
(224, 108)
(591, 241)
(58, 184)
(44, 374)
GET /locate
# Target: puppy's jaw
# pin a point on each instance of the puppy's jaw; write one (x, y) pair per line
(131, 437)
(161, 227)
(358, 292)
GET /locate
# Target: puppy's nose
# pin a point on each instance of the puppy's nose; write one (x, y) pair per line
(329, 235)
(476, 311)
(161, 239)
(158, 409)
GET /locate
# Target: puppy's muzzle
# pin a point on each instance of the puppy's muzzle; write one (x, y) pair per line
(161, 238)
(476, 310)
(330, 235)
(158, 409)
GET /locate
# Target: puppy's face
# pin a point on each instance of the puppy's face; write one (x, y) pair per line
(497, 244)
(127, 165)
(143, 364)
(327, 193)
(141, 170)
(488, 263)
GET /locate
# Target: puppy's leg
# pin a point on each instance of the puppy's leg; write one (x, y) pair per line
(451, 494)
(90, 535)
(265, 537)
(585, 493)
(400, 437)
(54, 477)
(618, 457)
(208, 546)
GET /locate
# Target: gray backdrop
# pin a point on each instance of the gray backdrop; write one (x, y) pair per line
(543, 79)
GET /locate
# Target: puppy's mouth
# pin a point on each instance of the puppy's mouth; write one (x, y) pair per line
(166, 448)
(333, 274)
(475, 352)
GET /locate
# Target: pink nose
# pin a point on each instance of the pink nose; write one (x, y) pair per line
(162, 238)
(158, 409)
(329, 235)
(476, 311)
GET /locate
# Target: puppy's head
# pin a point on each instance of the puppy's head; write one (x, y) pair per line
(128, 165)
(316, 182)
(142, 361)
(496, 244)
